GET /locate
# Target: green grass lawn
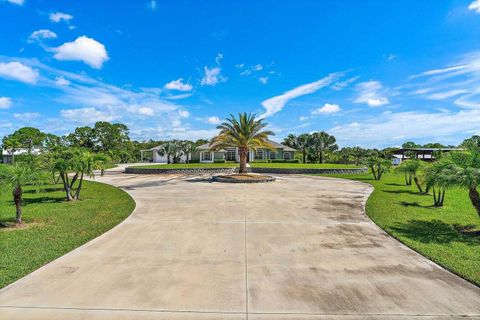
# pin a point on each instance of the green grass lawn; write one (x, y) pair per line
(54, 227)
(450, 236)
(303, 165)
(188, 165)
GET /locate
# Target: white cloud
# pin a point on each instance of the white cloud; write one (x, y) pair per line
(178, 85)
(61, 81)
(146, 111)
(389, 57)
(303, 118)
(249, 70)
(60, 16)
(337, 86)
(214, 120)
(276, 104)
(393, 128)
(26, 116)
(17, 2)
(461, 81)
(18, 71)
(212, 76)
(475, 6)
(371, 93)
(86, 115)
(263, 80)
(152, 5)
(219, 58)
(446, 94)
(327, 108)
(5, 102)
(42, 34)
(83, 49)
(183, 113)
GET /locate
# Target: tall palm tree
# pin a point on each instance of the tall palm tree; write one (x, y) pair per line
(301, 144)
(245, 133)
(15, 178)
(322, 142)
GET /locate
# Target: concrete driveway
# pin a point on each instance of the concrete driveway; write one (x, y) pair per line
(297, 248)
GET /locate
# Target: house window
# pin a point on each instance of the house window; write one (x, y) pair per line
(230, 155)
(273, 155)
(206, 156)
(286, 155)
(259, 154)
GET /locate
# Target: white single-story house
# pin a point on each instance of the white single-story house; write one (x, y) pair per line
(205, 154)
(8, 155)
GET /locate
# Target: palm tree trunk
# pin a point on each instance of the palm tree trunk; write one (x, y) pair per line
(304, 155)
(77, 192)
(66, 186)
(475, 198)
(17, 198)
(418, 184)
(242, 152)
(434, 197)
(74, 179)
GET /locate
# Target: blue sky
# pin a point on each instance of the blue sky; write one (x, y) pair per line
(373, 73)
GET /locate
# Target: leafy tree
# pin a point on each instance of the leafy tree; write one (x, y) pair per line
(83, 137)
(378, 166)
(320, 143)
(290, 141)
(110, 136)
(28, 138)
(433, 145)
(15, 178)
(410, 144)
(358, 155)
(199, 142)
(245, 133)
(473, 142)
(345, 155)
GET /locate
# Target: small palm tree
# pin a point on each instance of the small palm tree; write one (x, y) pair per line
(466, 172)
(188, 147)
(378, 166)
(15, 178)
(439, 177)
(410, 169)
(245, 133)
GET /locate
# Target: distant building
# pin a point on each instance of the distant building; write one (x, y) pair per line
(426, 154)
(8, 155)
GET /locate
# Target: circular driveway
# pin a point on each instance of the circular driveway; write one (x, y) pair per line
(297, 248)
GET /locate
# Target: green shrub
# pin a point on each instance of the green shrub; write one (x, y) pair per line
(259, 161)
(284, 161)
(218, 161)
(194, 161)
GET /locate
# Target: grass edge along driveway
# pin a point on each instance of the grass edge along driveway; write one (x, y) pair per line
(54, 227)
(449, 236)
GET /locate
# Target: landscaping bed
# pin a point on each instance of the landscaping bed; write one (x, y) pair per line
(243, 178)
(52, 227)
(449, 236)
